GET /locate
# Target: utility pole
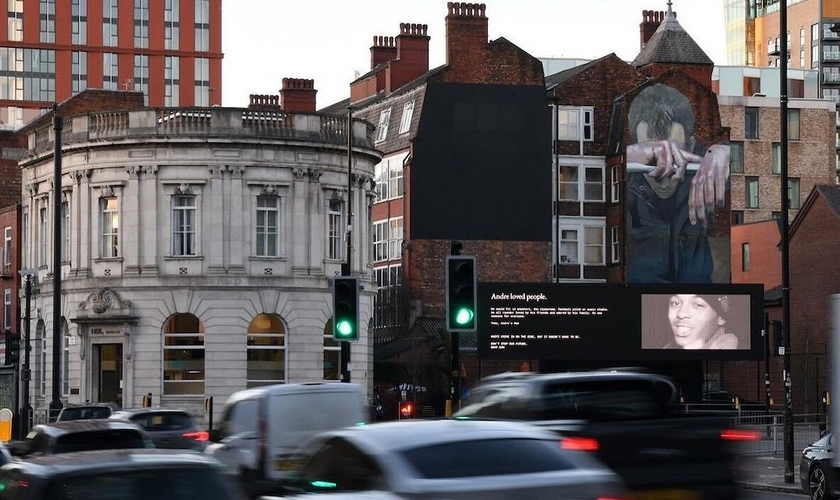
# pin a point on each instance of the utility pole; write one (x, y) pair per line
(347, 266)
(26, 374)
(55, 404)
(783, 127)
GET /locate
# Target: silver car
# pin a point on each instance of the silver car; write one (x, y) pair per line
(452, 459)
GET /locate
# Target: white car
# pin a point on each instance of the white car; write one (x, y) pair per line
(434, 459)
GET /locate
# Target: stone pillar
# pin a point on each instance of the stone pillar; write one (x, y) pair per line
(87, 211)
(218, 220)
(300, 227)
(316, 232)
(131, 241)
(238, 251)
(152, 216)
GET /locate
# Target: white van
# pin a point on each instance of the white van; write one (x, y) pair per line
(261, 428)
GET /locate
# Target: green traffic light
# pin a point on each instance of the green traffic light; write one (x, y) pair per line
(463, 316)
(344, 328)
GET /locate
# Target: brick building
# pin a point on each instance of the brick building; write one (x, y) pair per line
(466, 157)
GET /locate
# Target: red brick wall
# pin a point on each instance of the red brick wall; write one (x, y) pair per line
(9, 277)
(765, 254)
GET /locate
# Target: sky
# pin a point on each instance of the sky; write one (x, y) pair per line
(329, 41)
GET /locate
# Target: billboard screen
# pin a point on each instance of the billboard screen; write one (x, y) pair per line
(607, 321)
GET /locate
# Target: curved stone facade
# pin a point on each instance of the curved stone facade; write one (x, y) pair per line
(197, 253)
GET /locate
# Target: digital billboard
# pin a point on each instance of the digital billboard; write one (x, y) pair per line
(615, 322)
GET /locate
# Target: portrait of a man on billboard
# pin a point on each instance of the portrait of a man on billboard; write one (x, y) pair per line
(696, 321)
(675, 184)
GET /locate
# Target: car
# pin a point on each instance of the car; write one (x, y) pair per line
(80, 435)
(261, 428)
(135, 474)
(447, 458)
(86, 411)
(815, 468)
(168, 428)
(727, 400)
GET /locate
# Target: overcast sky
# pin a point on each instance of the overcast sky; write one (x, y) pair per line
(329, 41)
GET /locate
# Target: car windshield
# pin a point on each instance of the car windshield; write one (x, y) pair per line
(489, 457)
(171, 421)
(84, 413)
(163, 483)
(99, 440)
(601, 400)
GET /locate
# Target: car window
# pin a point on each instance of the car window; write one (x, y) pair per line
(340, 466)
(164, 483)
(240, 417)
(488, 457)
(84, 413)
(601, 400)
(164, 421)
(99, 440)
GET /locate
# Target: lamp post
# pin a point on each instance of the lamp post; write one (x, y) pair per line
(25, 373)
(346, 268)
(55, 404)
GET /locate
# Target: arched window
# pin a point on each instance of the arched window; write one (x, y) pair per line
(266, 351)
(332, 354)
(183, 355)
(40, 347)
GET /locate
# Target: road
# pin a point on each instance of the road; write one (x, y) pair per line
(769, 495)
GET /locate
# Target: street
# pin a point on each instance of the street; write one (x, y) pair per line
(770, 495)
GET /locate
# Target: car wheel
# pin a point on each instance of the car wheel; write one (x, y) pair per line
(818, 484)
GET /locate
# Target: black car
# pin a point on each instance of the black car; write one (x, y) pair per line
(815, 468)
(80, 435)
(168, 428)
(86, 411)
(117, 475)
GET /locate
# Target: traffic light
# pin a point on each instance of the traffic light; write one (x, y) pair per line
(460, 293)
(345, 308)
(406, 410)
(12, 347)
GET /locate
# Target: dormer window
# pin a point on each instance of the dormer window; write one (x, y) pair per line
(382, 128)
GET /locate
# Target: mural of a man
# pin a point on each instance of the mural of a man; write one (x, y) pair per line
(668, 203)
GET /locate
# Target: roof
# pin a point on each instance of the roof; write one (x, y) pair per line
(829, 192)
(556, 79)
(110, 460)
(303, 387)
(671, 44)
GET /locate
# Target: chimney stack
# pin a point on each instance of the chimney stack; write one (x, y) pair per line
(264, 102)
(384, 49)
(466, 32)
(298, 94)
(412, 56)
(651, 19)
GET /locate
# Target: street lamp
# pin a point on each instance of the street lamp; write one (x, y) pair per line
(25, 373)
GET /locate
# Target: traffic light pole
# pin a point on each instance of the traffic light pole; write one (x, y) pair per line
(346, 269)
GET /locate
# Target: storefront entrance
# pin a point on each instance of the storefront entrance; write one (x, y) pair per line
(107, 376)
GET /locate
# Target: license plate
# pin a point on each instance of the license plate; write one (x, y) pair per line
(284, 464)
(667, 494)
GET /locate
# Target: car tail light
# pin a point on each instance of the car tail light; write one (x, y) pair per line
(198, 435)
(579, 444)
(740, 435)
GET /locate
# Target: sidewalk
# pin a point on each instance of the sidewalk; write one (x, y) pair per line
(767, 472)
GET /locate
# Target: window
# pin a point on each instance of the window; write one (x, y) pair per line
(42, 237)
(15, 20)
(25, 252)
(380, 241)
(405, 122)
(332, 354)
(202, 25)
(592, 246)
(172, 24)
(47, 21)
(745, 257)
(616, 248)
(40, 349)
(110, 21)
(110, 71)
(141, 76)
(794, 202)
(79, 71)
(183, 225)
(266, 351)
(78, 10)
(268, 210)
(568, 246)
(574, 124)
(183, 355)
(202, 81)
(382, 128)
(335, 230)
(751, 195)
(776, 167)
(395, 179)
(570, 185)
(141, 24)
(65, 231)
(388, 306)
(736, 157)
(7, 246)
(65, 358)
(737, 217)
(815, 56)
(793, 124)
(110, 210)
(395, 240)
(171, 81)
(751, 123)
(775, 215)
(615, 194)
(7, 308)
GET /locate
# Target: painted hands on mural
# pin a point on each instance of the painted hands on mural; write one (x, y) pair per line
(669, 158)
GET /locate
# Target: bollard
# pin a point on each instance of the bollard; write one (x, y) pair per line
(6, 416)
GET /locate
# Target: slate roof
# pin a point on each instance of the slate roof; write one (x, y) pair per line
(829, 192)
(671, 44)
(832, 197)
(556, 79)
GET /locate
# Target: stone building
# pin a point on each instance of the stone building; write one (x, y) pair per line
(197, 250)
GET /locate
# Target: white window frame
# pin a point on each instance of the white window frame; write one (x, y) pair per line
(335, 229)
(42, 235)
(266, 230)
(396, 182)
(615, 184)
(405, 121)
(576, 123)
(65, 358)
(169, 385)
(7, 308)
(184, 235)
(395, 238)
(578, 226)
(615, 244)
(249, 382)
(382, 128)
(380, 241)
(65, 230)
(380, 177)
(580, 182)
(7, 246)
(110, 235)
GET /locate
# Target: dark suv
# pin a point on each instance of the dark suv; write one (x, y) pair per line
(168, 428)
(80, 435)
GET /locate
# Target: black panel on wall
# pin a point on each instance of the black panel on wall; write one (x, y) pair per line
(481, 168)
